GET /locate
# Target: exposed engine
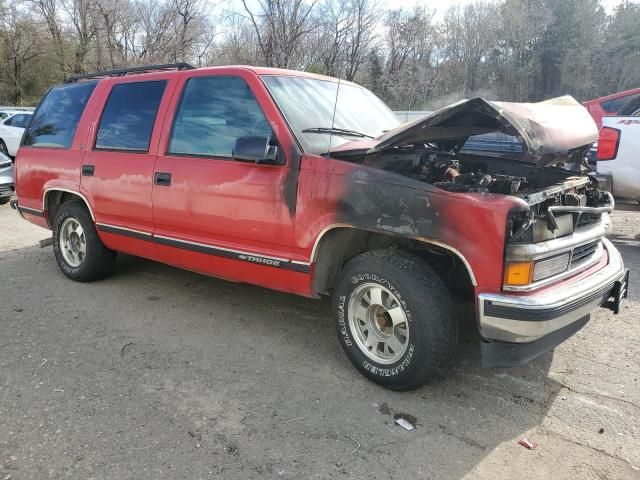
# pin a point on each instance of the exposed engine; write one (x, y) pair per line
(451, 176)
(460, 173)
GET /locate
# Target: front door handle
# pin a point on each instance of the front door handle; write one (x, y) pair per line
(162, 178)
(88, 170)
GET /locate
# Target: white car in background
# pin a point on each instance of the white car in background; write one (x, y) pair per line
(619, 155)
(11, 130)
(7, 188)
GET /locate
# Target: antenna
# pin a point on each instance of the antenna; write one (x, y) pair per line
(333, 120)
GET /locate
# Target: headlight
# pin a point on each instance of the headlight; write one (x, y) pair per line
(518, 274)
(550, 266)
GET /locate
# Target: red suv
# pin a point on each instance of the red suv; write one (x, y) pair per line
(309, 185)
(611, 105)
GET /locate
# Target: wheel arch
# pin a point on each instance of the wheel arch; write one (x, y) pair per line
(336, 244)
(53, 197)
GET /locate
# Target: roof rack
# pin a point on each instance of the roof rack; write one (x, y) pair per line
(120, 72)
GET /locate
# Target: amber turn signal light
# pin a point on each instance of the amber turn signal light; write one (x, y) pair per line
(518, 273)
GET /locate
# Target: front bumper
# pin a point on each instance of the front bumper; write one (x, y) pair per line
(520, 327)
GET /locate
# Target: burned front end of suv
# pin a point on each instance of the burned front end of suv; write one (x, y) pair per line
(530, 228)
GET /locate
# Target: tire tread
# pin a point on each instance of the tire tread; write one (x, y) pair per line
(427, 293)
(100, 260)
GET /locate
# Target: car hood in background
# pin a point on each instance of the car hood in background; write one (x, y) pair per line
(546, 129)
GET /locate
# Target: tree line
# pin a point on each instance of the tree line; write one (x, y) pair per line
(512, 50)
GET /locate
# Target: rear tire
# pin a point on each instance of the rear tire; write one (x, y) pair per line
(394, 318)
(78, 250)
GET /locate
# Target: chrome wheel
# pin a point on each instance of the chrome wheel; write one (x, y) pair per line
(378, 323)
(73, 243)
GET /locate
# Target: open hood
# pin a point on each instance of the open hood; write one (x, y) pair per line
(546, 129)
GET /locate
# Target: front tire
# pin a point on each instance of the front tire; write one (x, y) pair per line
(78, 250)
(394, 318)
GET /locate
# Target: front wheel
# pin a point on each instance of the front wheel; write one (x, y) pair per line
(394, 319)
(78, 250)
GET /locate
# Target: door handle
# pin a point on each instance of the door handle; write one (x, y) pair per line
(88, 170)
(162, 178)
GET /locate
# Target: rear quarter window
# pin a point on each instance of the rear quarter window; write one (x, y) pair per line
(54, 122)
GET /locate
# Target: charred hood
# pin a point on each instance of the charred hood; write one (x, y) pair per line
(546, 129)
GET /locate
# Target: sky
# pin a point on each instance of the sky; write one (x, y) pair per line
(442, 5)
(439, 5)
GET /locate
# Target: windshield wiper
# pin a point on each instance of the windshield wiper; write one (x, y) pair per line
(337, 131)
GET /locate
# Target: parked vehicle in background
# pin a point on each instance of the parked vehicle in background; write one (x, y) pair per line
(619, 155)
(611, 104)
(494, 143)
(11, 130)
(7, 188)
(305, 184)
(631, 109)
(6, 112)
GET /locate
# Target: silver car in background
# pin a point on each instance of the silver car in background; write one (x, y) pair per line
(7, 189)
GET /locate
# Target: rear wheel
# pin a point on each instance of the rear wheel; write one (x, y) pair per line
(78, 250)
(394, 319)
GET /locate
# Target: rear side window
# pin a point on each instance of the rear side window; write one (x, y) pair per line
(214, 113)
(54, 123)
(129, 116)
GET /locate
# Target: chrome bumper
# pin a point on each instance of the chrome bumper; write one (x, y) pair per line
(527, 318)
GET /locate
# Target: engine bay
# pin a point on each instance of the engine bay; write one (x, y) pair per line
(568, 186)
(461, 173)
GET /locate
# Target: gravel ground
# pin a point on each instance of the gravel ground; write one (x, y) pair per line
(161, 373)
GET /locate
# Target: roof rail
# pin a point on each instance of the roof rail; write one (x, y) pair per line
(120, 72)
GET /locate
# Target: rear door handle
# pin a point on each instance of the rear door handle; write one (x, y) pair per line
(162, 178)
(88, 170)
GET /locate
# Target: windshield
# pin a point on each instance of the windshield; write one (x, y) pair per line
(308, 103)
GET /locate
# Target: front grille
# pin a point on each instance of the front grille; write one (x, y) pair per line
(583, 253)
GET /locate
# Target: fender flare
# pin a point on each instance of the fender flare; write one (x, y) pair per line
(46, 193)
(430, 241)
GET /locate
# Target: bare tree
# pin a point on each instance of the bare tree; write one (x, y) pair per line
(22, 46)
(188, 13)
(280, 27)
(156, 32)
(503, 49)
(81, 14)
(49, 10)
(112, 15)
(347, 32)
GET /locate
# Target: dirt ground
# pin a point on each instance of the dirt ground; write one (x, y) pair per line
(161, 373)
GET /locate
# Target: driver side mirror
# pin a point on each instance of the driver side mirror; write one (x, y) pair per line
(257, 149)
